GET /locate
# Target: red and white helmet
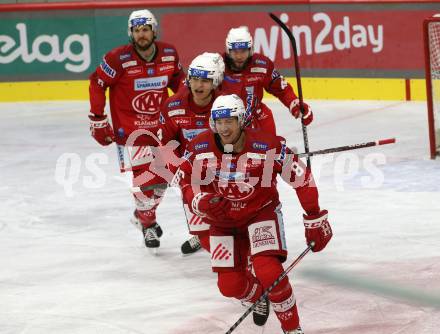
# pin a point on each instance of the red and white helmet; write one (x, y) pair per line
(239, 38)
(208, 66)
(141, 18)
(226, 106)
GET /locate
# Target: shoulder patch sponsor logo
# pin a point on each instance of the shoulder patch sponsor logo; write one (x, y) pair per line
(167, 67)
(201, 146)
(168, 58)
(134, 71)
(107, 69)
(252, 79)
(260, 62)
(252, 155)
(190, 134)
(176, 112)
(169, 50)
(258, 70)
(231, 79)
(207, 155)
(125, 56)
(174, 103)
(150, 83)
(129, 63)
(260, 146)
(183, 121)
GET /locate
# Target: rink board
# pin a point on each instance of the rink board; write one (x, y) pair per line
(313, 88)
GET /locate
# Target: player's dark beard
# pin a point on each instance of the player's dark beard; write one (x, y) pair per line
(230, 63)
(143, 48)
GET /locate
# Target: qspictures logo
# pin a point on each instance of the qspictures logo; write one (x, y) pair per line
(73, 51)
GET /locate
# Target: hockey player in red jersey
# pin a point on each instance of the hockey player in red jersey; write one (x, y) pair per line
(185, 115)
(138, 76)
(229, 177)
(248, 74)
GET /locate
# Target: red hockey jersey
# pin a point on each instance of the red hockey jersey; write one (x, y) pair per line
(183, 120)
(258, 75)
(137, 88)
(247, 179)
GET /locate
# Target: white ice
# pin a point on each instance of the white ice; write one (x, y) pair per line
(70, 261)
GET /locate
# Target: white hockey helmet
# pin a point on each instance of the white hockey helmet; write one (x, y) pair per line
(141, 18)
(226, 106)
(208, 66)
(239, 38)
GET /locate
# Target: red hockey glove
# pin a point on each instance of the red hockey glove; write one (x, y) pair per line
(211, 206)
(318, 230)
(101, 130)
(295, 110)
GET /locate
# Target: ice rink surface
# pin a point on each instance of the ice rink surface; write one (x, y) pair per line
(72, 263)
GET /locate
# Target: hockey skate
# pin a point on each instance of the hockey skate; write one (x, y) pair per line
(190, 246)
(295, 331)
(137, 223)
(152, 235)
(261, 312)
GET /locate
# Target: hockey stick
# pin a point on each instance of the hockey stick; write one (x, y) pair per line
(269, 289)
(298, 81)
(348, 147)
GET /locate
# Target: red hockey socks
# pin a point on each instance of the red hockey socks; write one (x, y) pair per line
(238, 284)
(204, 241)
(267, 270)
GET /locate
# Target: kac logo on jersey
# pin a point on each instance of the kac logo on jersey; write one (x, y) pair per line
(148, 102)
(260, 146)
(151, 83)
(235, 190)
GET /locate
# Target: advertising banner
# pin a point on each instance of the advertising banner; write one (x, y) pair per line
(367, 40)
(361, 42)
(61, 47)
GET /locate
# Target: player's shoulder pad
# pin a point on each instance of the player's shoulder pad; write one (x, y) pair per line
(176, 105)
(202, 146)
(166, 52)
(259, 59)
(260, 141)
(121, 57)
(121, 54)
(260, 64)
